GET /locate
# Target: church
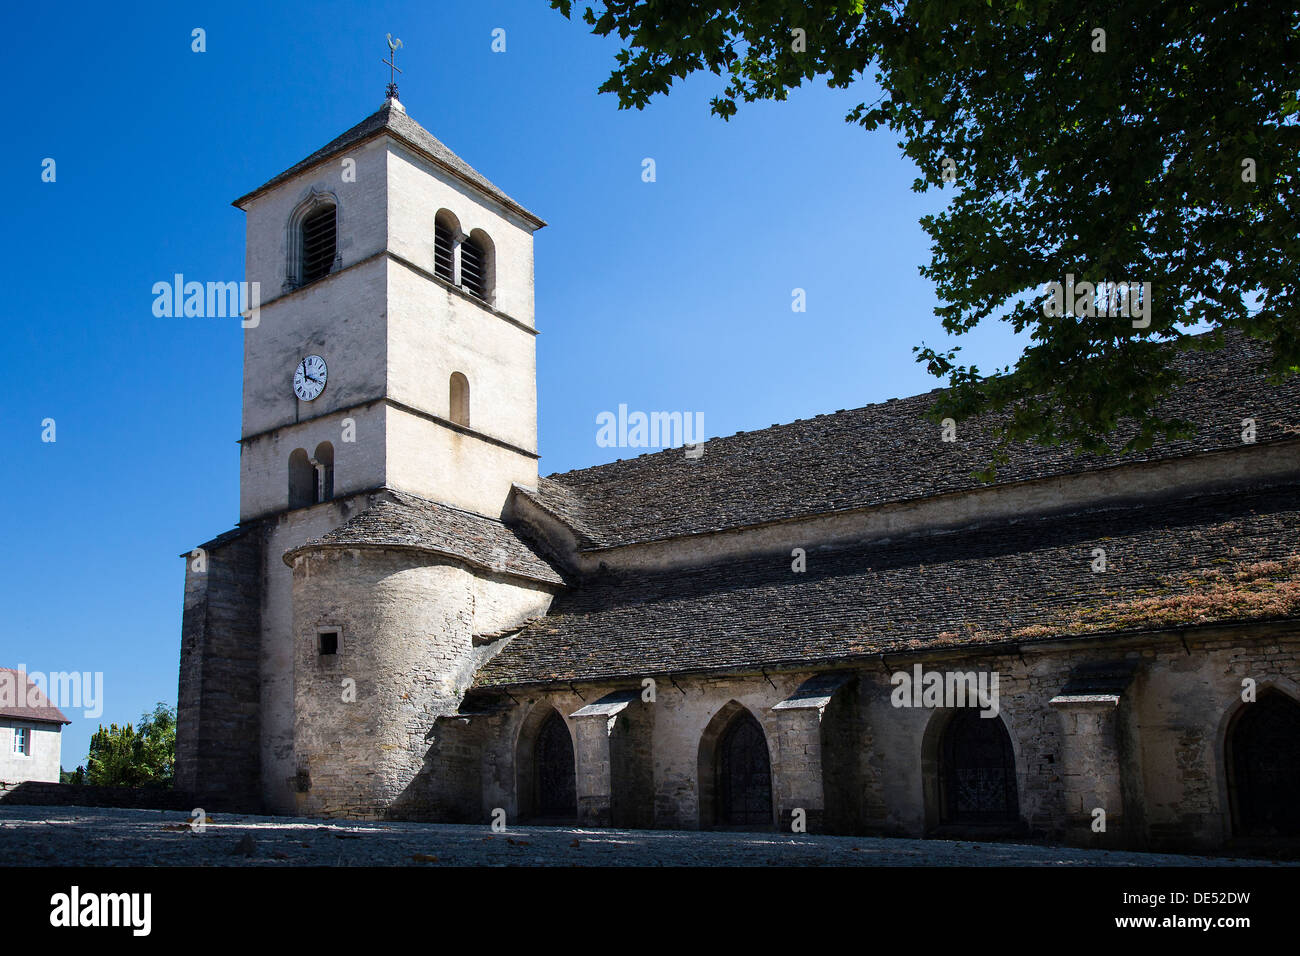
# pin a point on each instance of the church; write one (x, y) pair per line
(827, 626)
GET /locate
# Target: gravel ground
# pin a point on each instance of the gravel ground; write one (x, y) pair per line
(82, 836)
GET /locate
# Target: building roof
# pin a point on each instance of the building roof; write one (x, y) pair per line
(877, 454)
(391, 119)
(399, 520)
(22, 699)
(1229, 558)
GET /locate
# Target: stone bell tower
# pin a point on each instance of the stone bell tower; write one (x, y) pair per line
(393, 352)
(410, 277)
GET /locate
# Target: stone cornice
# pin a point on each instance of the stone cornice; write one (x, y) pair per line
(424, 274)
(403, 407)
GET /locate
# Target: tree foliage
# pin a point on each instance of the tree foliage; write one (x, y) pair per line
(127, 757)
(1164, 149)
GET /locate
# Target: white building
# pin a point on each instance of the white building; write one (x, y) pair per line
(31, 731)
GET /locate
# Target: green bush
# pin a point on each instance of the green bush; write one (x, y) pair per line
(126, 757)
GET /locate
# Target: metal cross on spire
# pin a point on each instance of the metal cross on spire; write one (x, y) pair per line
(392, 66)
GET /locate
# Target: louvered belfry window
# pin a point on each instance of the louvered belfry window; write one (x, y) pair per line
(319, 243)
(473, 265)
(442, 252)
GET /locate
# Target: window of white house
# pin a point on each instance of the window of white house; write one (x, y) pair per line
(23, 741)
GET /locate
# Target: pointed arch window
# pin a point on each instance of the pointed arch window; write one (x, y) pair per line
(744, 774)
(555, 793)
(1264, 766)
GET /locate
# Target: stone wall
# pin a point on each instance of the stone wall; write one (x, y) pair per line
(44, 794)
(288, 530)
(218, 727)
(364, 716)
(403, 628)
(1152, 757)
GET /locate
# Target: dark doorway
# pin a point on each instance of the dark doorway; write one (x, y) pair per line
(842, 732)
(631, 759)
(744, 775)
(553, 771)
(979, 772)
(1265, 761)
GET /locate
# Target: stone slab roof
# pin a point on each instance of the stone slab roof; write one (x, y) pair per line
(394, 121)
(878, 454)
(1208, 559)
(400, 520)
(219, 541)
(22, 699)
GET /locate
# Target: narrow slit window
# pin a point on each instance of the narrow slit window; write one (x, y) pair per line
(459, 399)
(319, 243)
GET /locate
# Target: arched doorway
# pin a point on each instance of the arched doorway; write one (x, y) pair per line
(744, 789)
(977, 773)
(554, 783)
(1264, 762)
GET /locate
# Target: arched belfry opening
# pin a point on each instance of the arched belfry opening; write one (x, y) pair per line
(446, 243)
(970, 766)
(319, 242)
(323, 463)
(302, 479)
(735, 772)
(313, 240)
(1263, 751)
(547, 772)
(478, 266)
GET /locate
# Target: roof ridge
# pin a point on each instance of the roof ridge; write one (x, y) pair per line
(891, 453)
(850, 411)
(394, 121)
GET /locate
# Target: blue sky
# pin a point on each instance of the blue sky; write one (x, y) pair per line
(671, 295)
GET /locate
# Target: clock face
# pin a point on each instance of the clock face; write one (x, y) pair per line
(309, 378)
